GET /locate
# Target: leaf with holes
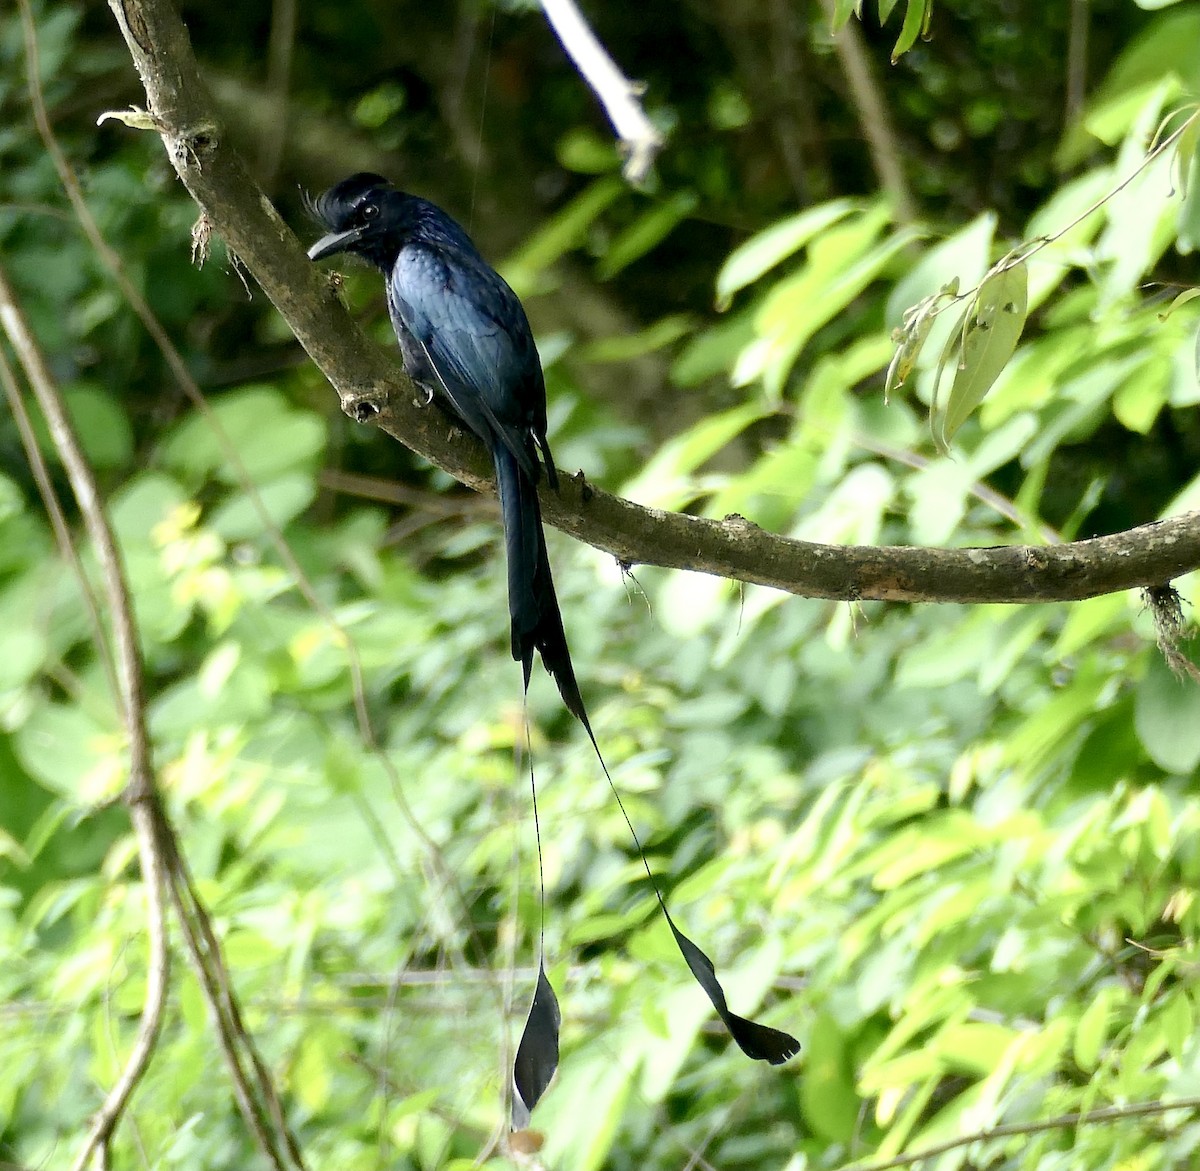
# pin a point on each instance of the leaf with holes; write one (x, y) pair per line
(990, 338)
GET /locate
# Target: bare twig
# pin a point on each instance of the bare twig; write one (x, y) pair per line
(252, 1083)
(1009, 1129)
(141, 791)
(873, 117)
(618, 95)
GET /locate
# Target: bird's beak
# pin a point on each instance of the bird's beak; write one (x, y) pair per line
(333, 243)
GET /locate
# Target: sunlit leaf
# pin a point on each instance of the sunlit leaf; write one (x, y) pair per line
(775, 244)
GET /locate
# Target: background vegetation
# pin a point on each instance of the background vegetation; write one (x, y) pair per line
(955, 850)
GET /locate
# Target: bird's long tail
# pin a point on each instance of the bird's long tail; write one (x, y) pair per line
(532, 603)
(537, 625)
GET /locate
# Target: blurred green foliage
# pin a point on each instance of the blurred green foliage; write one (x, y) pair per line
(956, 850)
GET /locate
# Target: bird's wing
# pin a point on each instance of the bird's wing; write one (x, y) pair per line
(475, 337)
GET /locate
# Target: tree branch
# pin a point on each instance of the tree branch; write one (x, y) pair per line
(618, 95)
(372, 388)
(141, 794)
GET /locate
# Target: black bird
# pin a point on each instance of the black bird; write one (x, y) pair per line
(464, 335)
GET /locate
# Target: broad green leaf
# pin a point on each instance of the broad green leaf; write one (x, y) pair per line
(962, 257)
(71, 753)
(990, 338)
(713, 350)
(267, 434)
(623, 347)
(282, 500)
(828, 1099)
(1187, 153)
(667, 476)
(1179, 1023)
(1141, 214)
(841, 265)
(1141, 397)
(587, 151)
(843, 10)
(100, 423)
(772, 246)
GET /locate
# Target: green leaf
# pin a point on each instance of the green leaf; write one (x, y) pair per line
(916, 23)
(586, 151)
(828, 1099)
(269, 436)
(282, 500)
(1092, 1030)
(1182, 299)
(843, 10)
(990, 338)
(566, 231)
(841, 264)
(70, 753)
(622, 347)
(762, 252)
(649, 229)
(961, 257)
(666, 477)
(1187, 153)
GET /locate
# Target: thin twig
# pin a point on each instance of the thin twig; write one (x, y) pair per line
(140, 795)
(618, 95)
(1010, 1129)
(58, 521)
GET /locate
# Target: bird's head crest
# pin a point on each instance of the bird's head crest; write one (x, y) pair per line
(354, 213)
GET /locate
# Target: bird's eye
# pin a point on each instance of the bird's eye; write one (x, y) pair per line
(370, 211)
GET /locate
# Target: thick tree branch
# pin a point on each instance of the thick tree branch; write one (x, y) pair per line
(373, 388)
